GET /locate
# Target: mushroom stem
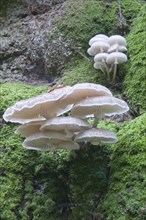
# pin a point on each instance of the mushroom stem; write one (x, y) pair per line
(115, 71)
(97, 116)
(95, 122)
(68, 133)
(102, 70)
(107, 70)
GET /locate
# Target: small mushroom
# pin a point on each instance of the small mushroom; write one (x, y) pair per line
(117, 39)
(100, 66)
(91, 52)
(116, 58)
(29, 128)
(101, 57)
(117, 48)
(98, 37)
(81, 91)
(68, 124)
(98, 107)
(38, 108)
(96, 135)
(100, 46)
(49, 141)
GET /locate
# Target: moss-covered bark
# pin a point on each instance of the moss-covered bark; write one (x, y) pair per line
(82, 19)
(126, 197)
(135, 80)
(81, 70)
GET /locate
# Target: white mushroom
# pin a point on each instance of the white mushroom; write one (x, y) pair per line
(91, 52)
(96, 135)
(38, 108)
(101, 57)
(68, 124)
(82, 90)
(99, 106)
(116, 58)
(117, 48)
(49, 141)
(100, 66)
(29, 128)
(117, 39)
(100, 46)
(98, 37)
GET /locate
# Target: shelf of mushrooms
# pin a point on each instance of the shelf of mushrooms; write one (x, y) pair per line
(108, 52)
(59, 118)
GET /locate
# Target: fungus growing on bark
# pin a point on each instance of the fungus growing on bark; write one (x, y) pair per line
(95, 136)
(103, 47)
(44, 130)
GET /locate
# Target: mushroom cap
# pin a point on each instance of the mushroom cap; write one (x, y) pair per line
(81, 91)
(91, 52)
(96, 135)
(100, 46)
(38, 108)
(117, 39)
(117, 47)
(29, 128)
(100, 57)
(65, 123)
(98, 37)
(99, 106)
(49, 141)
(116, 58)
(99, 66)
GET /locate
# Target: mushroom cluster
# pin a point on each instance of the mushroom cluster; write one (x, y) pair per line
(59, 118)
(108, 52)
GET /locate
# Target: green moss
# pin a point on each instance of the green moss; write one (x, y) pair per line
(135, 80)
(10, 93)
(80, 71)
(126, 194)
(48, 185)
(31, 182)
(130, 9)
(82, 19)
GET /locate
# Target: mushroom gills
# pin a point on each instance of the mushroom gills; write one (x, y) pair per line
(95, 136)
